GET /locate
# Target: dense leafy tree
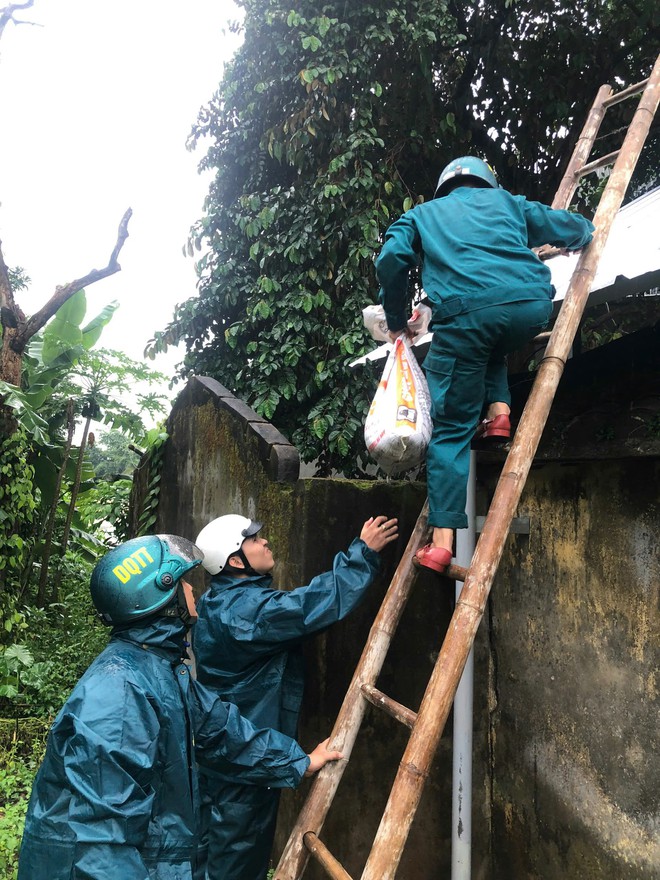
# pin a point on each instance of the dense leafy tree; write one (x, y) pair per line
(330, 121)
(113, 453)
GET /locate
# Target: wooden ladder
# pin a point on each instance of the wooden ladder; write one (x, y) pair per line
(428, 723)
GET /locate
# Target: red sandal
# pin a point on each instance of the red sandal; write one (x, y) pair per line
(435, 558)
(498, 426)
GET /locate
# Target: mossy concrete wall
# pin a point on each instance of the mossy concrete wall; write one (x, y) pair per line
(566, 774)
(573, 632)
(222, 458)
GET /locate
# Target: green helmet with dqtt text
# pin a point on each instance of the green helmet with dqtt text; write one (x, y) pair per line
(140, 577)
(222, 538)
(467, 168)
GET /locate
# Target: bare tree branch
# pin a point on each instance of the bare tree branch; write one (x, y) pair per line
(63, 293)
(6, 293)
(7, 14)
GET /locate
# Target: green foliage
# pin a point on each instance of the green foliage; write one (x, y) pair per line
(34, 683)
(153, 461)
(13, 660)
(16, 776)
(105, 506)
(50, 360)
(64, 638)
(116, 390)
(18, 279)
(329, 123)
(608, 322)
(104, 384)
(59, 366)
(112, 454)
(64, 340)
(42, 476)
(25, 412)
(17, 511)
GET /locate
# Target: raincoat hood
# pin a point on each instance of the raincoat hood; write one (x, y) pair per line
(166, 636)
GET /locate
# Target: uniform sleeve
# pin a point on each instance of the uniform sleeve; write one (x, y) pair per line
(399, 255)
(107, 742)
(559, 228)
(258, 757)
(278, 619)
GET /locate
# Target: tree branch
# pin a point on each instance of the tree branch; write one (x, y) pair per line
(63, 293)
(7, 14)
(6, 293)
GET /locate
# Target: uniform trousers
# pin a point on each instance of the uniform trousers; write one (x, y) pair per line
(466, 370)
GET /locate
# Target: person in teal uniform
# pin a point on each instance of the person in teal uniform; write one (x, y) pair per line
(489, 294)
(248, 649)
(117, 793)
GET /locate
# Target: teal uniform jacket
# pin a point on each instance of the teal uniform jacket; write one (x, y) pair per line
(117, 793)
(474, 246)
(247, 646)
(489, 294)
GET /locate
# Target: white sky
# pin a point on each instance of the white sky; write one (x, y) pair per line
(96, 105)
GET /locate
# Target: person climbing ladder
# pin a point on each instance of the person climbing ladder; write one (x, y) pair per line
(489, 294)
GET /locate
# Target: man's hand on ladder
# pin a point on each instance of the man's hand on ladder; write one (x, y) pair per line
(320, 756)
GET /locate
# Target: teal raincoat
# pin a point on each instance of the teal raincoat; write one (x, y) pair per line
(247, 646)
(117, 793)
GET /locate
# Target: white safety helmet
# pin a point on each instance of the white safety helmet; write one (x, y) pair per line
(222, 537)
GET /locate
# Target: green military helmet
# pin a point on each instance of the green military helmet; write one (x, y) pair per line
(466, 168)
(141, 576)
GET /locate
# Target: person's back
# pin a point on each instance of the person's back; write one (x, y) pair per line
(489, 295)
(474, 244)
(122, 738)
(117, 793)
(244, 658)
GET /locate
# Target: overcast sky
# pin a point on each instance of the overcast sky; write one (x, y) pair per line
(96, 104)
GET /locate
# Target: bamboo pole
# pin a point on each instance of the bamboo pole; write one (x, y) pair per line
(585, 142)
(324, 857)
(394, 709)
(436, 704)
(312, 816)
(404, 798)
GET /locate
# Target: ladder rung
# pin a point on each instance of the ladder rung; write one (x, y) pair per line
(455, 573)
(324, 857)
(625, 93)
(609, 159)
(397, 710)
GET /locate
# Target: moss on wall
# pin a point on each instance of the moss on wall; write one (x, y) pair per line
(574, 644)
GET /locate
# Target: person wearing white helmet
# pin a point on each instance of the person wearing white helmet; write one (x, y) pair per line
(247, 647)
(489, 294)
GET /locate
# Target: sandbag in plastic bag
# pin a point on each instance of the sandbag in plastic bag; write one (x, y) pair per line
(398, 427)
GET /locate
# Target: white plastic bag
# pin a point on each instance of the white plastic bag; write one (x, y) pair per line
(398, 427)
(375, 321)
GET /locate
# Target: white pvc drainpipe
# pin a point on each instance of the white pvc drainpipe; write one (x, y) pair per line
(461, 833)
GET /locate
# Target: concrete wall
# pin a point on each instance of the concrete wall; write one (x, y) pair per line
(574, 655)
(566, 773)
